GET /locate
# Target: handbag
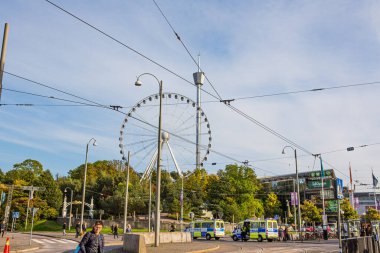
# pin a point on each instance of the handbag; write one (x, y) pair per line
(77, 249)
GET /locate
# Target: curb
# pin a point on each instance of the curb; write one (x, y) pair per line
(204, 250)
(114, 244)
(24, 250)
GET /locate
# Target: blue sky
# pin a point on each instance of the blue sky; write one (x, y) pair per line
(247, 48)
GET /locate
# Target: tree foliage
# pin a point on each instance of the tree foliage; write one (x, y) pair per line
(272, 205)
(310, 212)
(372, 214)
(349, 212)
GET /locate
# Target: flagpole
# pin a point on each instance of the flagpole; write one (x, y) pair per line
(324, 218)
(374, 182)
(352, 199)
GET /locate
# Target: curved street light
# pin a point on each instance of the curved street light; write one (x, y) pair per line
(158, 190)
(71, 204)
(84, 181)
(298, 185)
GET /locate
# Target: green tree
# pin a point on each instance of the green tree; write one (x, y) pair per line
(310, 212)
(349, 212)
(372, 214)
(272, 205)
(31, 173)
(232, 191)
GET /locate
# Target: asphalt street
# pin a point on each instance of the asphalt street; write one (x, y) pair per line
(55, 242)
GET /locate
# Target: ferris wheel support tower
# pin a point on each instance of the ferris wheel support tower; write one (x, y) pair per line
(199, 78)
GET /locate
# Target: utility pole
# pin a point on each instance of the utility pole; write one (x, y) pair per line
(2, 57)
(198, 80)
(126, 196)
(31, 190)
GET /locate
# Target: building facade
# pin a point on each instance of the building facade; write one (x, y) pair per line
(310, 184)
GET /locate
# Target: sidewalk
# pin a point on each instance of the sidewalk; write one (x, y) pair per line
(194, 247)
(18, 243)
(109, 240)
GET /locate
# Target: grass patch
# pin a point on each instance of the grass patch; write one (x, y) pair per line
(46, 225)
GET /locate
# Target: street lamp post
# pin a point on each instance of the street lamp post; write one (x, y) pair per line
(158, 190)
(298, 186)
(84, 181)
(71, 205)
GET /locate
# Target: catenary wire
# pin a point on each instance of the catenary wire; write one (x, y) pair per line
(238, 110)
(95, 104)
(49, 97)
(308, 90)
(126, 46)
(172, 72)
(186, 48)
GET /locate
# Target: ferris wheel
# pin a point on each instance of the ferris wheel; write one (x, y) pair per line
(139, 134)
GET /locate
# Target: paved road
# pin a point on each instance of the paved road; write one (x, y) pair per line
(227, 245)
(58, 245)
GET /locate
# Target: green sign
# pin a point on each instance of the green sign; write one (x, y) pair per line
(318, 173)
(331, 206)
(315, 184)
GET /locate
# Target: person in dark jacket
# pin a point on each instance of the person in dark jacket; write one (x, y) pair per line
(115, 231)
(93, 241)
(77, 230)
(64, 228)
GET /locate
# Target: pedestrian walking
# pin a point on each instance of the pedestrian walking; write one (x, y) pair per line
(129, 228)
(243, 233)
(84, 227)
(77, 229)
(64, 228)
(2, 229)
(280, 231)
(115, 231)
(93, 241)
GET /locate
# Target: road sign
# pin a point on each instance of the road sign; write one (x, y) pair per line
(339, 188)
(15, 215)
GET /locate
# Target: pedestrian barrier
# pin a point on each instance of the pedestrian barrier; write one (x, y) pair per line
(7, 247)
(367, 244)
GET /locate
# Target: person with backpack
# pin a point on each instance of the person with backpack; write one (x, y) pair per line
(93, 241)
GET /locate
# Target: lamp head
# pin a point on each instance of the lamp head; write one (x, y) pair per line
(138, 82)
(283, 151)
(95, 144)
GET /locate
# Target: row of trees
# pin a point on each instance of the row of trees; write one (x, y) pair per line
(233, 193)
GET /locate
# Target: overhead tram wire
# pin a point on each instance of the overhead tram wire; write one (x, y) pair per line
(234, 108)
(50, 87)
(155, 62)
(186, 48)
(126, 46)
(308, 90)
(218, 100)
(49, 97)
(96, 104)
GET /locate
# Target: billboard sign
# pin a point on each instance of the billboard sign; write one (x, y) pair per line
(339, 188)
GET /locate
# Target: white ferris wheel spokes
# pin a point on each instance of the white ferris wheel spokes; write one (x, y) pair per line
(139, 134)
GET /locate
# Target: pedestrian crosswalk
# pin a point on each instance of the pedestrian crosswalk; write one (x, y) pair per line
(53, 241)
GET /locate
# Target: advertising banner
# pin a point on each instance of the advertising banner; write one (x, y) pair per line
(293, 198)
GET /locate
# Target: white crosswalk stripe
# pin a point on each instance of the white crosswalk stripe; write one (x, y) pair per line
(60, 241)
(37, 241)
(70, 241)
(52, 241)
(47, 240)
